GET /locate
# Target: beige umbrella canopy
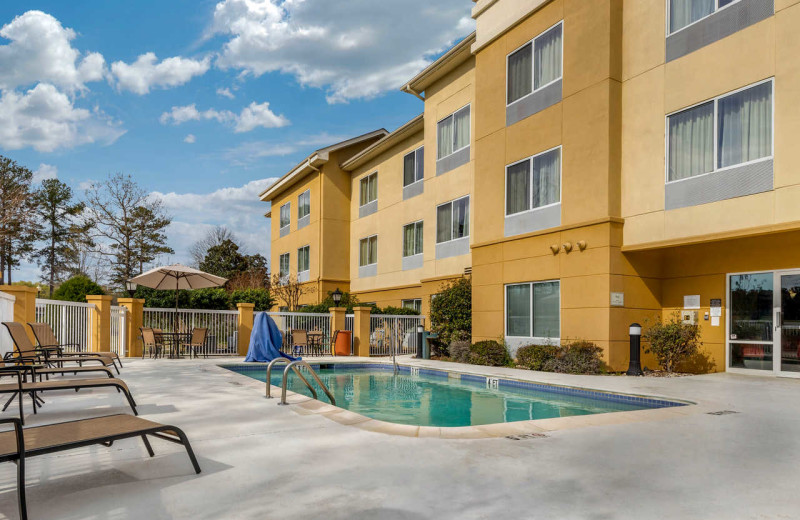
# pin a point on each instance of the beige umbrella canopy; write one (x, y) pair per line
(175, 277)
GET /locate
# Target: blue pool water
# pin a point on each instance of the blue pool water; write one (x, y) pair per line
(432, 398)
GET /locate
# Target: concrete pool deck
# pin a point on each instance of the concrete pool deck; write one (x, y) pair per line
(261, 460)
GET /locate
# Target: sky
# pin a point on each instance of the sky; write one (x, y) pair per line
(206, 102)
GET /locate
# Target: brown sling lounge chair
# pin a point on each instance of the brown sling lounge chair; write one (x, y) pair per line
(24, 348)
(47, 341)
(18, 444)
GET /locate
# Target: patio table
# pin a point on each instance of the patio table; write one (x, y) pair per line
(174, 341)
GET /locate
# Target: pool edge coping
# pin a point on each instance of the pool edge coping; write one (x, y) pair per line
(345, 417)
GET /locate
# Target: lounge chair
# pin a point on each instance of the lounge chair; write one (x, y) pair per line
(24, 348)
(21, 443)
(33, 387)
(47, 339)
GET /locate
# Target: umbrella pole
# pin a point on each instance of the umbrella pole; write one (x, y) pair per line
(175, 320)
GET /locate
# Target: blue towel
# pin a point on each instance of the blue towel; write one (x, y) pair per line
(265, 341)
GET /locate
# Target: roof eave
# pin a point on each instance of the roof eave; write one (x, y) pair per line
(447, 62)
(391, 139)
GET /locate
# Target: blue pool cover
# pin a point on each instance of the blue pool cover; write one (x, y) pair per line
(265, 341)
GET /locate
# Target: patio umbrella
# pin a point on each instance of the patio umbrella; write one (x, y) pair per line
(175, 277)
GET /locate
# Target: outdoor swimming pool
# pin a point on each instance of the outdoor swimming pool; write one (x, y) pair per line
(427, 397)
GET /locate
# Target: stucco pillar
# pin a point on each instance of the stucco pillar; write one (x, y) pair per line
(133, 322)
(245, 326)
(337, 321)
(361, 331)
(100, 322)
(24, 305)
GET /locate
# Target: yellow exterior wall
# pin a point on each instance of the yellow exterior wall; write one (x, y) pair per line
(392, 284)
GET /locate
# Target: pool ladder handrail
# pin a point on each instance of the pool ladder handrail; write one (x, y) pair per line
(294, 366)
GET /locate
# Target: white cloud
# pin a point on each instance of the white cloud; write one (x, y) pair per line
(354, 49)
(40, 50)
(191, 139)
(251, 117)
(247, 153)
(46, 119)
(44, 172)
(238, 208)
(146, 73)
(225, 92)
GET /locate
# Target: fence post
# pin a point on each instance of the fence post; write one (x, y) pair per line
(337, 318)
(245, 326)
(24, 305)
(133, 322)
(361, 330)
(100, 318)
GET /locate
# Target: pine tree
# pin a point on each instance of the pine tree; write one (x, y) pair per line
(18, 225)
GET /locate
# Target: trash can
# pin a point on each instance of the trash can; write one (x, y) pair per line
(343, 341)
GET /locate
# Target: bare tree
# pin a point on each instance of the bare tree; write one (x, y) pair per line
(115, 207)
(288, 290)
(213, 237)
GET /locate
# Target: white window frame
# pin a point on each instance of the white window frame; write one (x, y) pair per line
(307, 194)
(533, 65)
(717, 9)
(375, 236)
(288, 272)
(453, 116)
(715, 100)
(361, 187)
(451, 219)
(530, 173)
(416, 304)
(280, 215)
(554, 340)
(414, 153)
(403, 238)
(307, 246)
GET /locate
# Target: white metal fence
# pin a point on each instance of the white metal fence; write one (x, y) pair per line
(118, 330)
(6, 314)
(393, 333)
(308, 321)
(71, 322)
(349, 324)
(223, 327)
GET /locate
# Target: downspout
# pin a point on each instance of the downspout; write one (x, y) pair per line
(319, 242)
(410, 90)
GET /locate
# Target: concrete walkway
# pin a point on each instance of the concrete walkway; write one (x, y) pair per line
(265, 461)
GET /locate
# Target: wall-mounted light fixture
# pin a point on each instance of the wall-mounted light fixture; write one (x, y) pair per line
(567, 247)
(555, 249)
(581, 244)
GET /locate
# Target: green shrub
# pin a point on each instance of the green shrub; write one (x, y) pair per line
(489, 353)
(211, 299)
(76, 288)
(459, 351)
(451, 311)
(672, 342)
(398, 311)
(537, 357)
(260, 297)
(578, 357)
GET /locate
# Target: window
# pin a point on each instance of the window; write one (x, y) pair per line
(412, 304)
(535, 65)
(534, 182)
(413, 166)
(683, 13)
(303, 259)
(412, 239)
(368, 251)
(726, 131)
(284, 265)
(369, 189)
(533, 310)
(285, 215)
(452, 220)
(452, 133)
(304, 204)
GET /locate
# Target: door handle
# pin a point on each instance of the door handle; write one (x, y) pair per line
(778, 320)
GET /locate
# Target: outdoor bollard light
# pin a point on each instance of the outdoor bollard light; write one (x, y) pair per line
(337, 296)
(420, 330)
(131, 287)
(635, 365)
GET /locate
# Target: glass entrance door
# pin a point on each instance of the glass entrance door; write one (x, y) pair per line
(751, 324)
(788, 323)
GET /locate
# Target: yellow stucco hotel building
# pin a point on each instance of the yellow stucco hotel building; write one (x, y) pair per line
(589, 163)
